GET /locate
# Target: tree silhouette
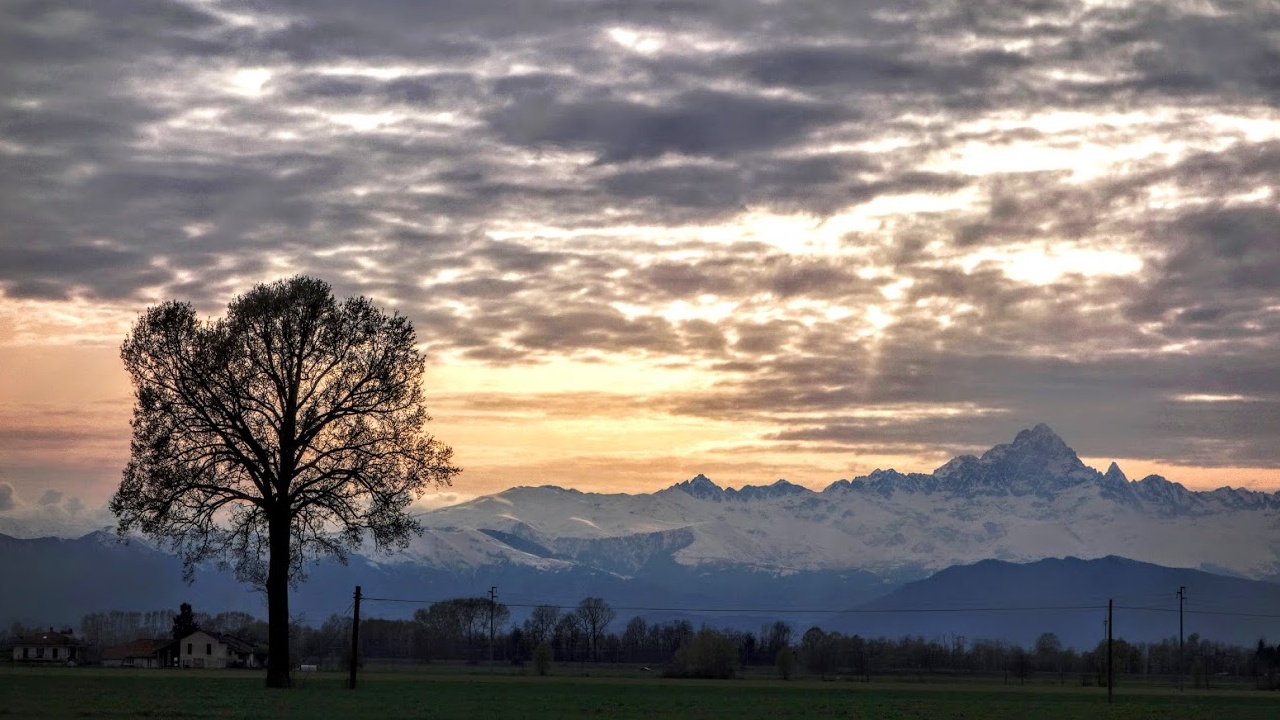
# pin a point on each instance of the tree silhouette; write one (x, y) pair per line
(541, 624)
(184, 623)
(595, 614)
(289, 429)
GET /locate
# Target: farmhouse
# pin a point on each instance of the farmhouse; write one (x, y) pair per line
(203, 649)
(49, 647)
(142, 653)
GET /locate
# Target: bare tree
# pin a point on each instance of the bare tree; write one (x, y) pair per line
(595, 615)
(774, 637)
(289, 429)
(541, 624)
(569, 635)
(633, 638)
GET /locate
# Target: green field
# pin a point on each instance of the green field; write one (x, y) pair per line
(99, 693)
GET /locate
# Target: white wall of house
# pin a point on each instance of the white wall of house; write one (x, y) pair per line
(45, 653)
(202, 650)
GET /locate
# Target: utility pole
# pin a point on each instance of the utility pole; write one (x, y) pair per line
(355, 639)
(1111, 626)
(493, 608)
(1182, 603)
(1106, 625)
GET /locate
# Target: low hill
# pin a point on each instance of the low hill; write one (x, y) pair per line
(1068, 596)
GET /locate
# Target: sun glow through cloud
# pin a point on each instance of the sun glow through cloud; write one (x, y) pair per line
(1044, 264)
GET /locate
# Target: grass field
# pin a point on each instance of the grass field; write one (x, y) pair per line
(99, 693)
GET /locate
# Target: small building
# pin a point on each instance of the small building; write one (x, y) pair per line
(202, 649)
(52, 647)
(142, 653)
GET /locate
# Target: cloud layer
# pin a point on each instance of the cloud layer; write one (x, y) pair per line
(843, 232)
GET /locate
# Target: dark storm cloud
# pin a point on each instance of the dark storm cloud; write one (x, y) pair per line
(877, 69)
(820, 185)
(1228, 247)
(740, 274)
(418, 91)
(1201, 55)
(1217, 280)
(684, 186)
(80, 30)
(567, 332)
(700, 123)
(53, 274)
(361, 36)
(965, 432)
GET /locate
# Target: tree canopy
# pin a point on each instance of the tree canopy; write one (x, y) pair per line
(291, 428)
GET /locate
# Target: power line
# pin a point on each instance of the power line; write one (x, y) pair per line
(852, 611)
(1200, 612)
(880, 611)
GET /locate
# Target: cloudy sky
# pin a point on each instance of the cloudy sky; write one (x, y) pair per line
(642, 240)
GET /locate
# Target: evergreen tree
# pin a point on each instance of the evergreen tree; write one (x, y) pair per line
(184, 623)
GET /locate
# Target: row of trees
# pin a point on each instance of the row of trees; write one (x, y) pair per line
(1199, 660)
(476, 629)
(459, 629)
(105, 629)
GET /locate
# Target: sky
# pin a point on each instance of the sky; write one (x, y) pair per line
(644, 240)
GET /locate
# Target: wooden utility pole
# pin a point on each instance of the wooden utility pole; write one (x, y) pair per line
(493, 609)
(1182, 602)
(1111, 624)
(355, 640)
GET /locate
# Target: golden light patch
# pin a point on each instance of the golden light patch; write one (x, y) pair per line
(633, 376)
(249, 82)
(365, 122)
(1210, 398)
(1193, 477)
(1044, 263)
(53, 323)
(637, 41)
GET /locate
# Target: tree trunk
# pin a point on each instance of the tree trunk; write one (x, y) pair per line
(278, 604)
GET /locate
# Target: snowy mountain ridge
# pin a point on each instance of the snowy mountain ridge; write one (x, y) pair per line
(1029, 499)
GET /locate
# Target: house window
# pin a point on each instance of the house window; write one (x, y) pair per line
(55, 653)
(26, 653)
(39, 652)
(208, 648)
(189, 648)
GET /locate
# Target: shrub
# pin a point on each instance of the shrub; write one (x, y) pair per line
(785, 661)
(542, 659)
(708, 654)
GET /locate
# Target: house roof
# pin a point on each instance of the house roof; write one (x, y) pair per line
(48, 638)
(233, 642)
(142, 647)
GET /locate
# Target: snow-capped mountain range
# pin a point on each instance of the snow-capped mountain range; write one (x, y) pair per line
(742, 557)
(1029, 499)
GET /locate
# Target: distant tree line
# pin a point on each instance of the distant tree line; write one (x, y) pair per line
(457, 630)
(475, 629)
